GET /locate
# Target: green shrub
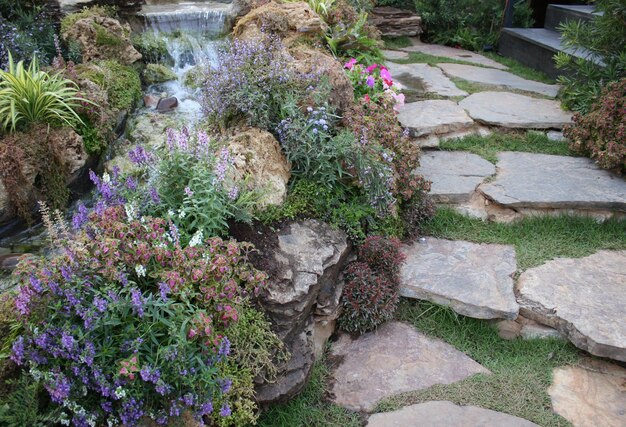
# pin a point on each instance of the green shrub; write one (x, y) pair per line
(104, 37)
(121, 82)
(601, 133)
(470, 24)
(604, 38)
(30, 95)
(26, 405)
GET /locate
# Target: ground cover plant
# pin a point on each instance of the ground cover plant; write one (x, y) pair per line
(601, 134)
(536, 239)
(521, 370)
(489, 146)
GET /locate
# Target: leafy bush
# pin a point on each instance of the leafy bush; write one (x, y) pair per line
(135, 324)
(604, 40)
(368, 299)
(601, 133)
(30, 95)
(250, 82)
(382, 255)
(415, 212)
(354, 38)
(470, 24)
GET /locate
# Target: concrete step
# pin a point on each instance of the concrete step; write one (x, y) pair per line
(536, 47)
(560, 13)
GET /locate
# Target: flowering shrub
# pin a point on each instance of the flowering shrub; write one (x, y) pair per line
(369, 299)
(601, 133)
(370, 295)
(250, 82)
(373, 82)
(125, 323)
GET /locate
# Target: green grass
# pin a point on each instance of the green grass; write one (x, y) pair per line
(474, 87)
(536, 239)
(489, 146)
(397, 42)
(310, 407)
(519, 69)
(520, 369)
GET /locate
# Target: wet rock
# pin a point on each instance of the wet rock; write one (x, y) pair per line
(434, 117)
(590, 395)
(157, 73)
(100, 38)
(515, 111)
(445, 414)
(424, 78)
(394, 22)
(474, 279)
(454, 174)
(150, 101)
(167, 104)
(258, 155)
(303, 290)
(393, 359)
(583, 298)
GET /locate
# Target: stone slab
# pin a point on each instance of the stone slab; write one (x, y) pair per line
(583, 298)
(454, 174)
(393, 359)
(542, 181)
(512, 110)
(493, 77)
(474, 279)
(590, 395)
(445, 414)
(424, 78)
(436, 117)
(454, 53)
(392, 55)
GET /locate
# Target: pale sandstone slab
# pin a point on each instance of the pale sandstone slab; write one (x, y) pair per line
(590, 395)
(434, 117)
(393, 359)
(512, 110)
(490, 76)
(474, 279)
(453, 53)
(583, 298)
(454, 174)
(395, 55)
(445, 414)
(424, 78)
(542, 181)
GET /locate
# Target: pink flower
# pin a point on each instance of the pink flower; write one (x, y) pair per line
(385, 74)
(370, 81)
(350, 64)
(372, 68)
(399, 97)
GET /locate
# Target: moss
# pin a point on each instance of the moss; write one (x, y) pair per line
(106, 38)
(121, 82)
(156, 73)
(88, 12)
(153, 48)
(194, 77)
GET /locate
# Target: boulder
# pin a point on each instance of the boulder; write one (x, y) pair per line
(257, 156)
(167, 104)
(150, 101)
(394, 22)
(101, 38)
(157, 73)
(308, 60)
(289, 21)
(304, 289)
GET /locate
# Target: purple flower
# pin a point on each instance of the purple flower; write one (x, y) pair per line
(370, 81)
(164, 289)
(224, 349)
(139, 155)
(205, 409)
(80, 217)
(225, 411)
(162, 388)
(17, 354)
(59, 388)
(67, 341)
(137, 301)
(225, 384)
(154, 195)
(100, 304)
(131, 183)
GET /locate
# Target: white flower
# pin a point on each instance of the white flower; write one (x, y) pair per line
(170, 213)
(106, 178)
(140, 270)
(181, 214)
(196, 240)
(130, 211)
(120, 393)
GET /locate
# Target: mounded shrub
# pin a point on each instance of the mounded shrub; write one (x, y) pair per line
(601, 134)
(383, 255)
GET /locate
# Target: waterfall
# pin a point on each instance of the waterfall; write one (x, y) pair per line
(206, 17)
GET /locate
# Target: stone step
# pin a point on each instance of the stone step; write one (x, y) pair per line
(434, 117)
(500, 78)
(583, 298)
(445, 414)
(393, 359)
(536, 47)
(557, 14)
(422, 78)
(454, 54)
(474, 279)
